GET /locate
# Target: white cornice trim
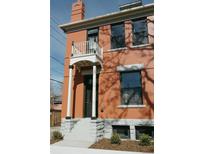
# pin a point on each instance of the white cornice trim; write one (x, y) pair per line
(119, 16)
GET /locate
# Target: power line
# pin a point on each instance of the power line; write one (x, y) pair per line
(58, 68)
(53, 70)
(57, 71)
(58, 19)
(57, 31)
(56, 85)
(61, 70)
(55, 20)
(57, 60)
(58, 40)
(56, 80)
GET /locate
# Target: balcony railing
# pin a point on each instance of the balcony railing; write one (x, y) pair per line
(86, 48)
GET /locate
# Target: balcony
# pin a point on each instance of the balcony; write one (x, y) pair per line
(83, 53)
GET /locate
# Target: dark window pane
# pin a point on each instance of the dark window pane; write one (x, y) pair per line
(149, 130)
(93, 31)
(140, 34)
(132, 96)
(117, 36)
(92, 40)
(130, 79)
(131, 88)
(122, 131)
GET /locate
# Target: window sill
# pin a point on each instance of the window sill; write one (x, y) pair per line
(133, 46)
(131, 106)
(117, 49)
(140, 46)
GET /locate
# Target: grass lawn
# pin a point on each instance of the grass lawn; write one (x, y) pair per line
(126, 145)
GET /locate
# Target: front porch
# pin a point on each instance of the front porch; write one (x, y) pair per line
(87, 54)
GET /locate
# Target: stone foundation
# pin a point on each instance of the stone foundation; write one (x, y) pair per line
(125, 122)
(67, 125)
(97, 129)
(102, 128)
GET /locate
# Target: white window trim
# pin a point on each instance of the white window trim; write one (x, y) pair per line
(131, 106)
(131, 67)
(132, 46)
(140, 46)
(116, 49)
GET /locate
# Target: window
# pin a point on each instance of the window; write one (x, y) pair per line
(149, 130)
(117, 36)
(140, 34)
(131, 88)
(92, 40)
(92, 35)
(122, 131)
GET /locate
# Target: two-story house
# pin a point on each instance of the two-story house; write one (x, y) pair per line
(109, 73)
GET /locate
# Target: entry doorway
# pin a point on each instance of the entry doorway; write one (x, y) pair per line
(88, 82)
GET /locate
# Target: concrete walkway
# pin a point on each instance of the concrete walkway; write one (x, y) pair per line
(74, 150)
(73, 143)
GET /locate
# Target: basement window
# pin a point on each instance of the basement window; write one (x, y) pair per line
(149, 130)
(122, 131)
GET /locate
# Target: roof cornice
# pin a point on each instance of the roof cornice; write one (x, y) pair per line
(107, 19)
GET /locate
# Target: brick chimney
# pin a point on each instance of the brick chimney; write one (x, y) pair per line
(78, 11)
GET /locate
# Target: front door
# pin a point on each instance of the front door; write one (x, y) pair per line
(88, 79)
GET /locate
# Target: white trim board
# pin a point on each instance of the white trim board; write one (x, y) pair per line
(130, 67)
(131, 106)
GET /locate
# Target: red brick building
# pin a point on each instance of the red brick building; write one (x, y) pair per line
(109, 72)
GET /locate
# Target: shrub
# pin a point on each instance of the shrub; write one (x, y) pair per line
(115, 139)
(145, 140)
(57, 135)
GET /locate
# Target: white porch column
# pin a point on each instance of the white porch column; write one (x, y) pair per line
(94, 92)
(69, 92)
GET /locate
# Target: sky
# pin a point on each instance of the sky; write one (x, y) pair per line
(60, 13)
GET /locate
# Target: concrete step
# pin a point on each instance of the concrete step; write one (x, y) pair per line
(81, 131)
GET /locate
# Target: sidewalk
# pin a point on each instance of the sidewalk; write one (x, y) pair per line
(74, 150)
(73, 143)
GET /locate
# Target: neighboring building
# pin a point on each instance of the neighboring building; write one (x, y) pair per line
(109, 73)
(55, 110)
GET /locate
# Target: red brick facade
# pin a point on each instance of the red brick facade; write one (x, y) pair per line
(109, 94)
